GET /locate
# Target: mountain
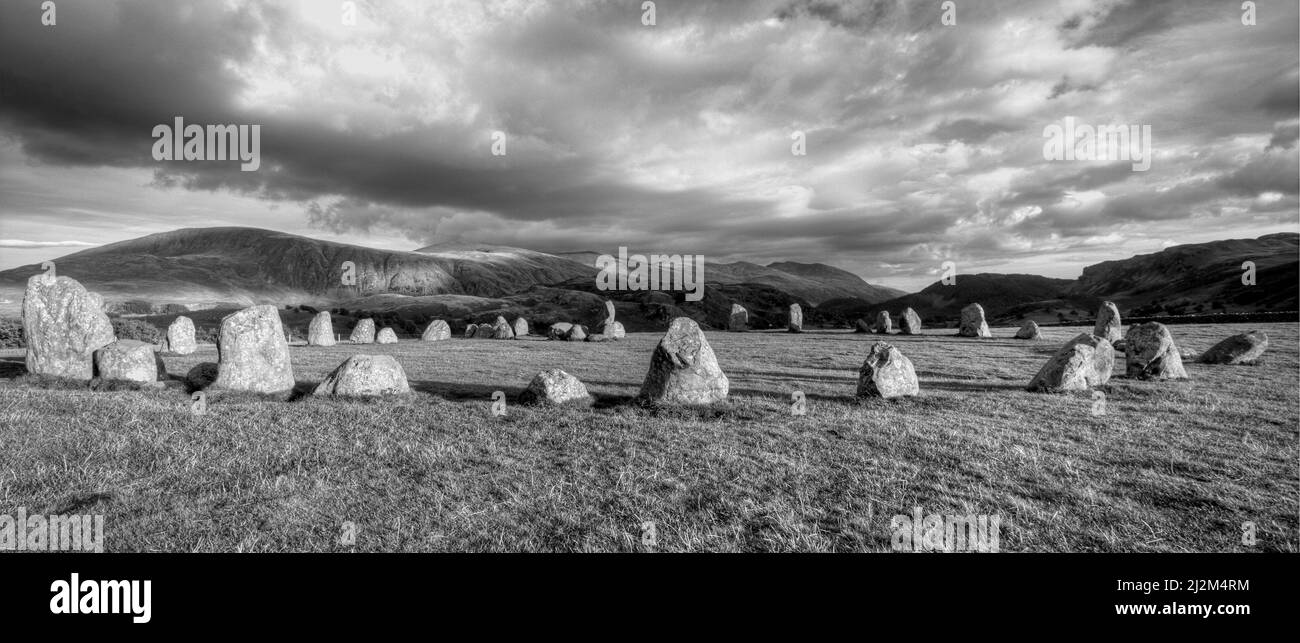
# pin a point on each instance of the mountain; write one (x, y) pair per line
(1001, 296)
(842, 281)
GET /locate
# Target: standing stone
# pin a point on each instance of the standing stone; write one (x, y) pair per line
(129, 360)
(63, 326)
(321, 330)
(683, 369)
(471, 330)
(883, 323)
(615, 331)
(1082, 363)
(521, 327)
(909, 323)
(577, 333)
(1245, 348)
(887, 373)
(554, 386)
(609, 315)
(252, 352)
(365, 376)
(559, 330)
(861, 326)
(437, 330)
(501, 329)
(386, 336)
(739, 320)
(1150, 353)
(972, 322)
(180, 336)
(1029, 331)
(1108, 324)
(486, 331)
(364, 333)
(795, 323)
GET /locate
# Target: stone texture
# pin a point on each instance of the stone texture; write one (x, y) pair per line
(1245, 348)
(520, 327)
(739, 319)
(129, 360)
(1108, 323)
(180, 336)
(486, 331)
(471, 330)
(365, 376)
(1029, 331)
(1082, 363)
(683, 368)
(883, 324)
(861, 326)
(972, 322)
(63, 326)
(887, 373)
(794, 321)
(437, 330)
(253, 355)
(909, 323)
(614, 331)
(559, 330)
(364, 332)
(554, 386)
(321, 330)
(577, 333)
(1150, 353)
(386, 335)
(609, 314)
(501, 329)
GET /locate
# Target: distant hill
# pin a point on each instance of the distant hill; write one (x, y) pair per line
(940, 302)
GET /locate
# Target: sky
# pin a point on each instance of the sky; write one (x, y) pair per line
(922, 126)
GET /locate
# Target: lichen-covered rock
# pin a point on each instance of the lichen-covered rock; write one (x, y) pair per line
(887, 373)
(739, 319)
(1029, 331)
(364, 332)
(614, 330)
(521, 327)
(365, 376)
(437, 330)
(321, 330)
(180, 336)
(909, 323)
(1245, 348)
(1082, 363)
(883, 323)
(253, 354)
(63, 326)
(1108, 323)
(972, 322)
(1150, 353)
(129, 360)
(386, 335)
(794, 324)
(554, 386)
(683, 368)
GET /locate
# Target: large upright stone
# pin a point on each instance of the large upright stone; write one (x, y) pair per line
(1108, 323)
(609, 314)
(521, 327)
(909, 323)
(252, 352)
(1029, 331)
(795, 322)
(129, 360)
(739, 319)
(364, 332)
(63, 325)
(972, 322)
(887, 373)
(683, 368)
(321, 330)
(883, 323)
(1150, 353)
(1082, 363)
(554, 386)
(501, 329)
(437, 330)
(1245, 348)
(386, 335)
(365, 376)
(180, 336)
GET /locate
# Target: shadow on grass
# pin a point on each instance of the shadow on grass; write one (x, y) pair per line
(459, 391)
(982, 385)
(11, 368)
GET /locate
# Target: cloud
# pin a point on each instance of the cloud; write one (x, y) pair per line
(20, 243)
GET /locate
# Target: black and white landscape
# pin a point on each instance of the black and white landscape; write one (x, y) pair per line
(784, 275)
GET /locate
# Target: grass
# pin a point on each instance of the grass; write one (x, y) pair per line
(1170, 466)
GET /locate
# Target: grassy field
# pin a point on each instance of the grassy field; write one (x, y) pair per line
(1170, 466)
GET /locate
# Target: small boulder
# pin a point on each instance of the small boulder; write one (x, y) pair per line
(683, 369)
(252, 352)
(129, 360)
(180, 336)
(861, 326)
(1082, 363)
(365, 376)
(386, 336)
(559, 330)
(795, 321)
(883, 323)
(614, 331)
(364, 333)
(486, 331)
(972, 322)
(1150, 353)
(437, 330)
(1108, 322)
(521, 327)
(739, 319)
(909, 323)
(1245, 348)
(577, 333)
(321, 330)
(553, 387)
(471, 330)
(1029, 331)
(887, 373)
